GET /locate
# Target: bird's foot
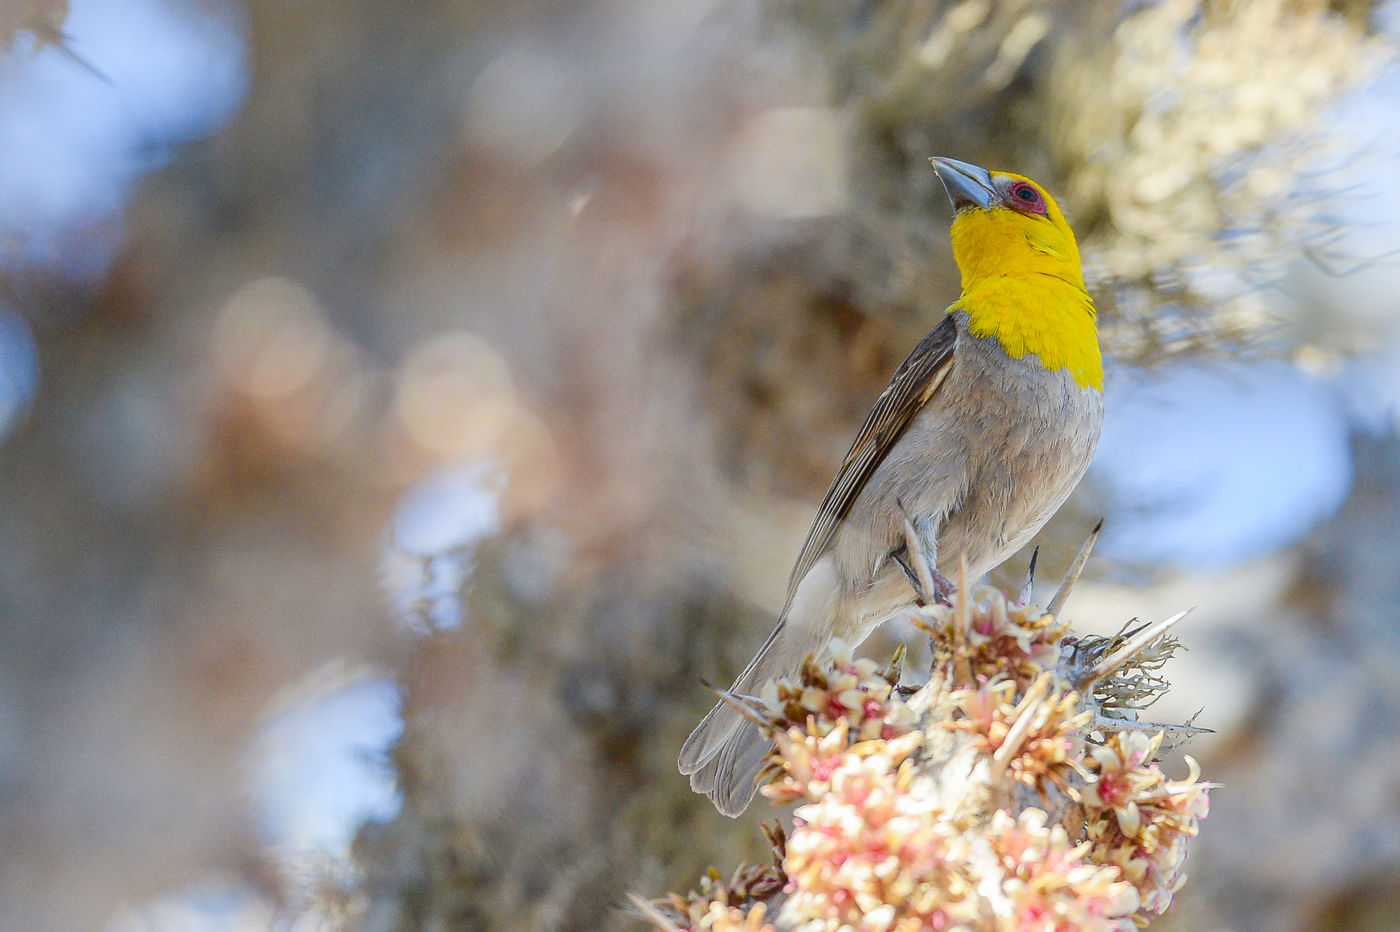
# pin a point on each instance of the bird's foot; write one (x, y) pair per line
(935, 588)
(917, 559)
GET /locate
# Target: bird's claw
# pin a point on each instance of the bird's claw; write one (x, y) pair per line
(938, 588)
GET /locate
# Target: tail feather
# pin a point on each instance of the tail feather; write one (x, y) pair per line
(725, 752)
(730, 778)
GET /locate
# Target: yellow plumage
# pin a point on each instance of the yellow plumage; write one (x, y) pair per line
(1023, 285)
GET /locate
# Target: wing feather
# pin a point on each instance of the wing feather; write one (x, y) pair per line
(914, 383)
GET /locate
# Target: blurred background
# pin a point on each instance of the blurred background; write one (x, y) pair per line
(404, 406)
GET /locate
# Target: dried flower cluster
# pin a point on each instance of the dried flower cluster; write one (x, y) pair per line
(1141, 821)
(739, 905)
(1002, 794)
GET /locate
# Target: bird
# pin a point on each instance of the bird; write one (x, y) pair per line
(984, 431)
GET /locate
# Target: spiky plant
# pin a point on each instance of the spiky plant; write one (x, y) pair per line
(1017, 789)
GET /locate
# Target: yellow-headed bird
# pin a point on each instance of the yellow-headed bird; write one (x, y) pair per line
(982, 434)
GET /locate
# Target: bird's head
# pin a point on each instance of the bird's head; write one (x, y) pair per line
(1021, 278)
(1006, 225)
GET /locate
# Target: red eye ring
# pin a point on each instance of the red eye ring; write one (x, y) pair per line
(1025, 196)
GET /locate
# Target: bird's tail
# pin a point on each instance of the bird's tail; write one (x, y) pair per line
(725, 751)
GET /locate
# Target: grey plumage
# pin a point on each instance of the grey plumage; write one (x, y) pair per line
(978, 448)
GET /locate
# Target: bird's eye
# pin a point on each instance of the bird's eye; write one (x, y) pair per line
(1026, 196)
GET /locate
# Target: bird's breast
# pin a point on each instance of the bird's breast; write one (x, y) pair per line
(986, 462)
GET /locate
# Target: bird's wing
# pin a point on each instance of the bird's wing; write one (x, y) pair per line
(914, 383)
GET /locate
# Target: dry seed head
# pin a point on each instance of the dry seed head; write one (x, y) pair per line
(990, 798)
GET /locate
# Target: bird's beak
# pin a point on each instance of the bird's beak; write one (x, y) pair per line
(967, 185)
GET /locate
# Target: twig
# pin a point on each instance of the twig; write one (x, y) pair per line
(1075, 568)
(1136, 644)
